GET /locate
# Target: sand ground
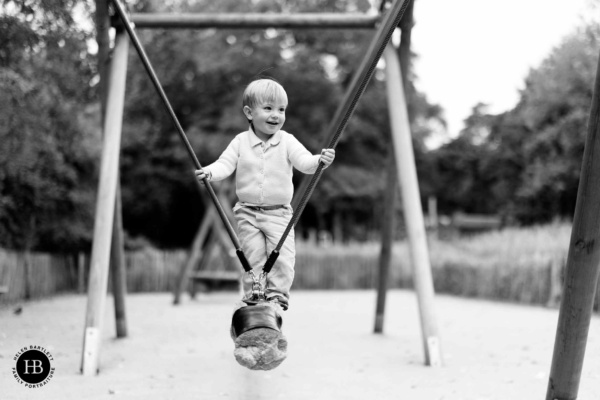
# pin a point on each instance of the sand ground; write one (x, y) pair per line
(491, 350)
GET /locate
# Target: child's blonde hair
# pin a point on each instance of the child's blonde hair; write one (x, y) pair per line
(263, 91)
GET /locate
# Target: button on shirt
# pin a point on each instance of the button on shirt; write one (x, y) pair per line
(263, 169)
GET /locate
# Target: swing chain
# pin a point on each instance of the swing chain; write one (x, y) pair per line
(258, 292)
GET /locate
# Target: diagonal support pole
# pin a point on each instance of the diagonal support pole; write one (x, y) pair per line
(105, 207)
(583, 268)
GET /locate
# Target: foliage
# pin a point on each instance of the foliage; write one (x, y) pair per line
(50, 118)
(204, 73)
(524, 164)
(46, 158)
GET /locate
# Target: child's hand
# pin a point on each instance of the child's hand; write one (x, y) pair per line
(327, 156)
(200, 175)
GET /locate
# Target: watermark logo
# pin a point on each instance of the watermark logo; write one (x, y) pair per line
(33, 367)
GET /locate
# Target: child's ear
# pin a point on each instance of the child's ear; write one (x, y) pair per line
(247, 112)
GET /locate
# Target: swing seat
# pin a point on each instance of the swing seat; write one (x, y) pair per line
(256, 332)
(255, 316)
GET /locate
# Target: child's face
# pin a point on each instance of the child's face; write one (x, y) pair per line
(267, 117)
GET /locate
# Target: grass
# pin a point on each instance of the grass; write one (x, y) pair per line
(515, 264)
(529, 247)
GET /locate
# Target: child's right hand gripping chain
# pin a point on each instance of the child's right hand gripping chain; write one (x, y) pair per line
(327, 156)
(200, 175)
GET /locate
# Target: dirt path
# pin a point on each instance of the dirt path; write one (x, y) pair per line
(491, 350)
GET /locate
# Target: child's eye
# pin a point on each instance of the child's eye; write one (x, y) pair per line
(282, 110)
(267, 108)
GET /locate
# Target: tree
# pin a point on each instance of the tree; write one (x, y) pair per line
(49, 117)
(204, 73)
(47, 155)
(524, 163)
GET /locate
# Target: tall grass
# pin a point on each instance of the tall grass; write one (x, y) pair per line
(515, 264)
(527, 247)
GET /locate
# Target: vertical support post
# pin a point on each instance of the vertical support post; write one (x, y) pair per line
(582, 270)
(102, 38)
(389, 203)
(117, 258)
(105, 205)
(432, 211)
(387, 240)
(434, 222)
(81, 272)
(117, 268)
(413, 213)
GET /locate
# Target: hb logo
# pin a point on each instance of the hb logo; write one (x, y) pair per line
(36, 367)
(33, 366)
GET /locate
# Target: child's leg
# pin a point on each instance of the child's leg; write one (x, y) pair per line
(279, 280)
(253, 244)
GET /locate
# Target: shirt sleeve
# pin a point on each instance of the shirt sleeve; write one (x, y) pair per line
(226, 163)
(301, 158)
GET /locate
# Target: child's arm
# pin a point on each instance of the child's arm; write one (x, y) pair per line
(306, 162)
(224, 166)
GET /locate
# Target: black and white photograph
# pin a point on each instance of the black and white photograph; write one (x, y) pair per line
(299, 199)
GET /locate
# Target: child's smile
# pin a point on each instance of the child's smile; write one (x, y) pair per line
(267, 118)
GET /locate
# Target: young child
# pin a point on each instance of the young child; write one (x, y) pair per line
(263, 157)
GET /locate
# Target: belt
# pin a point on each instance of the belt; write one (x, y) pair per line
(265, 208)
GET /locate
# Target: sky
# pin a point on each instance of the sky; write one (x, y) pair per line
(472, 51)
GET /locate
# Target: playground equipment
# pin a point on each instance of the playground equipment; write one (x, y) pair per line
(112, 135)
(210, 242)
(582, 270)
(583, 265)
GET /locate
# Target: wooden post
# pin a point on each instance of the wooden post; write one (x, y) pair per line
(582, 270)
(434, 222)
(387, 240)
(390, 197)
(117, 267)
(117, 258)
(105, 206)
(413, 213)
(81, 272)
(102, 20)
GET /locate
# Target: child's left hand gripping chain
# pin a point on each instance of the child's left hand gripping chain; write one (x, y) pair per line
(201, 175)
(327, 156)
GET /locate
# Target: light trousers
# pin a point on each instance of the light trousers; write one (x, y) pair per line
(259, 232)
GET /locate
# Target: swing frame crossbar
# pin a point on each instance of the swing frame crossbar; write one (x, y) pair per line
(253, 21)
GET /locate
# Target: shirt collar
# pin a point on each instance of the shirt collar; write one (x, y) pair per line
(255, 140)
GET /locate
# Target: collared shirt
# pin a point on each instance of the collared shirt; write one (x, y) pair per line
(263, 169)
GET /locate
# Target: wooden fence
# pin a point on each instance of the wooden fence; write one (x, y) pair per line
(34, 276)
